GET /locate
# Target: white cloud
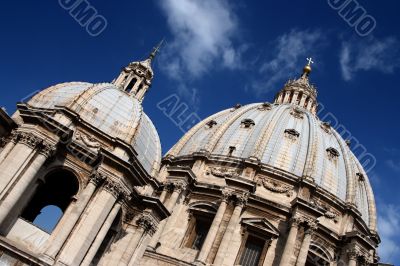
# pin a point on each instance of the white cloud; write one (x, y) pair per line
(290, 51)
(202, 35)
(369, 54)
(388, 227)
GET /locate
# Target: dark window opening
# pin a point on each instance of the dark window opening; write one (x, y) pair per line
(252, 252)
(231, 150)
(131, 85)
(51, 199)
(198, 233)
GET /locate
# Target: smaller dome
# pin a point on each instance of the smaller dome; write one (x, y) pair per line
(109, 109)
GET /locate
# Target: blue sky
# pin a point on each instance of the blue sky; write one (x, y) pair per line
(219, 53)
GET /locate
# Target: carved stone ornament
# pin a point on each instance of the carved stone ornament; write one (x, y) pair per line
(47, 149)
(292, 134)
(3, 142)
(129, 216)
(222, 172)
(276, 187)
(29, 140)
(237, 106)
(326, 126)
(241, 199)
(333, 154)
(97, 178)
(113, 188)
(247, 123)
(328, 212)
(178, 186)
(211, 123)
(148, 223)
(297, 112)
(88, 141)
(226, 194)
(265, 107)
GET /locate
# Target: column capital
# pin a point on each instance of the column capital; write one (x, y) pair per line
(179, 186)
(96, 178)
(147, 223)
(353, 254)
(241, 199)
(226, 194)
(47, 149)
(113, 188)
(28, 139)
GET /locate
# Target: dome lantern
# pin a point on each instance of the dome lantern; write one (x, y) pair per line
(300, 91)
(136, 78)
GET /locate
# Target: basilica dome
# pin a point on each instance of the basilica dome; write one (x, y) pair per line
(113, 108)
(286, 136)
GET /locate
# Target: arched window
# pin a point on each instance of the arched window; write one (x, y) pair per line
(317, 256)
(51, 199)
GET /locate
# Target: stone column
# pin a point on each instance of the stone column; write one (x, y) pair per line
(90, 224)
(11, 203)
(269, 257)
(71, 216)
(7, 145)
(150, 226)
(163, 194)
(287, 95)
(18, 157)
(101, 235)
(145, 224)
(233, 222)
(212, 233)
(178, 187)
(305, 246)
(352, 255)
(290, 242)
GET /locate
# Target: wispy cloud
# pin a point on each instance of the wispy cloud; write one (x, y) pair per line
(289, 52)
(203, 33)
(369, 54)
(388, 227)
(393, 164)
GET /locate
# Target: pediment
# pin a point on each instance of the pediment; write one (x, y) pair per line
(261, 225)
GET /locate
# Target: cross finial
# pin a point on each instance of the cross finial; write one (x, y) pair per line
(156, 50)
(310, 61)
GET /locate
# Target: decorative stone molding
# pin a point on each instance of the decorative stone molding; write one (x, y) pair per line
(179, 186)
(241, 199)
(29, 140)
(226, 194)
(88, 141)
(96, 178)
(113, 188)
(148, 223)
(129, 216)
(222, 172)
(329, 213)
(275, 186)
(297, 112)
(3, 142)
(47, 149)
(292, 134)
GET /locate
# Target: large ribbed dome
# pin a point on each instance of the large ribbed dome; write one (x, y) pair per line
(109, 109)
(287, 136)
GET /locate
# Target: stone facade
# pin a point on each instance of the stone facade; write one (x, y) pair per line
(119, 207)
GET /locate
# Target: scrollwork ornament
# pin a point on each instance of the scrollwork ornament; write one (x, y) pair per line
(179, 186)
(29, 140)
(113, 188)
(241, 199)
(276, 187)
(222, 172)
(226, 194)
(148, 223)
(96, 178)
(47, 149)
